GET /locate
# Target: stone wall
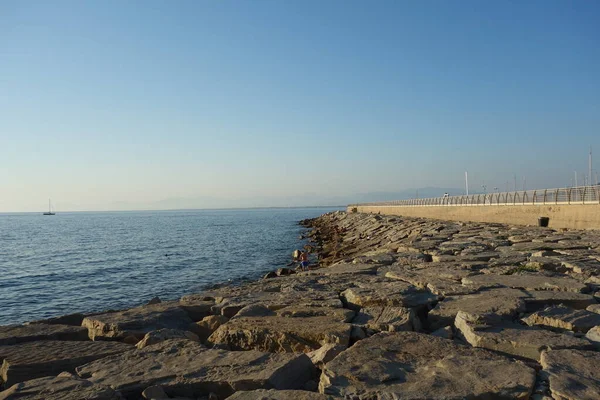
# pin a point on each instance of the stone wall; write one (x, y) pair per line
(573, 216)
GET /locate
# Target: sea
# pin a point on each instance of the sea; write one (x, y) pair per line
(93, 261)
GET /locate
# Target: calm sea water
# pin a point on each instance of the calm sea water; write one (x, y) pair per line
(85, 262)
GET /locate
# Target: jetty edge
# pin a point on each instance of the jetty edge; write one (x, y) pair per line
(400, 307)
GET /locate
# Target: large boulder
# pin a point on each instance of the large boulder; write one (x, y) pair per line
(564, 318)
(443, 279)
(136, 321)
(409, 365)
(207, 326)
(25, 361)
(13, 334)
(292, 329)
(188, 369)
(385, 292)
(392, 319)
(514, 339)
(274, 294)
(499, 303)
(573, 374)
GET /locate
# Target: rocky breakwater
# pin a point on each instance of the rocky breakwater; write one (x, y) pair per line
(398, 308)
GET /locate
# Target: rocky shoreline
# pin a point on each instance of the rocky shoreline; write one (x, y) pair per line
(397, 308)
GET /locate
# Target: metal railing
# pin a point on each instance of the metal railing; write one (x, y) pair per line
(571, 195)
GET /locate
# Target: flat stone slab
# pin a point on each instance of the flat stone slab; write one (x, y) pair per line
(564, 318)
(527, 282)
(136, 321)
(514, 339)
(387, 319)
(25, 361)
(13, 334)
(502, 303)
(287, 330)
(65, 386)
(573, 375)
(443, 280)
(188, 369)
(409, 365)
(386, 293)
(278, 293)
(262, 394)
(345, 268)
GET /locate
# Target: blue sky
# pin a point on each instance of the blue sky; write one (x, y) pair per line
(111, 105)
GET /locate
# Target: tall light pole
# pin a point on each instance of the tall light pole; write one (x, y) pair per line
(467, 182)
(590, 167)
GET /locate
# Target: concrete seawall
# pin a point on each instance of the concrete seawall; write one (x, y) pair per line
(573, 216)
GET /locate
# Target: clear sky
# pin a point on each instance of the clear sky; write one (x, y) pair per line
(161, 104)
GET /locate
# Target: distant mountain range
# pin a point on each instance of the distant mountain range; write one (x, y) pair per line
(306, 200)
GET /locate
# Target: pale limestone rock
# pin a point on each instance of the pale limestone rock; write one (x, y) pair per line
(262, 394)
(65, 386)
(379, 259)
(564, 318)
(442, 279)
(527, 282)
(164, 334)
(13, 334)
(283, 292)
(325, 354)
(503, 303)
(409, 365)
(136, 321)
(573, 374)
(207, 326)
(25, 361)
(383, 292)
(392, 319)
(188, 369)
(593, 336)
(284, 333)
(511, 338)
(595, 308)
(345, 269)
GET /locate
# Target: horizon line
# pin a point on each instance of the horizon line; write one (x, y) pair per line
(177, 209)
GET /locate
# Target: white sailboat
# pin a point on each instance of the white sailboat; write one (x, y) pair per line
(49, 209)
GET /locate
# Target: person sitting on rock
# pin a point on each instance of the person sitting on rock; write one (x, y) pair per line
(304, 260)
